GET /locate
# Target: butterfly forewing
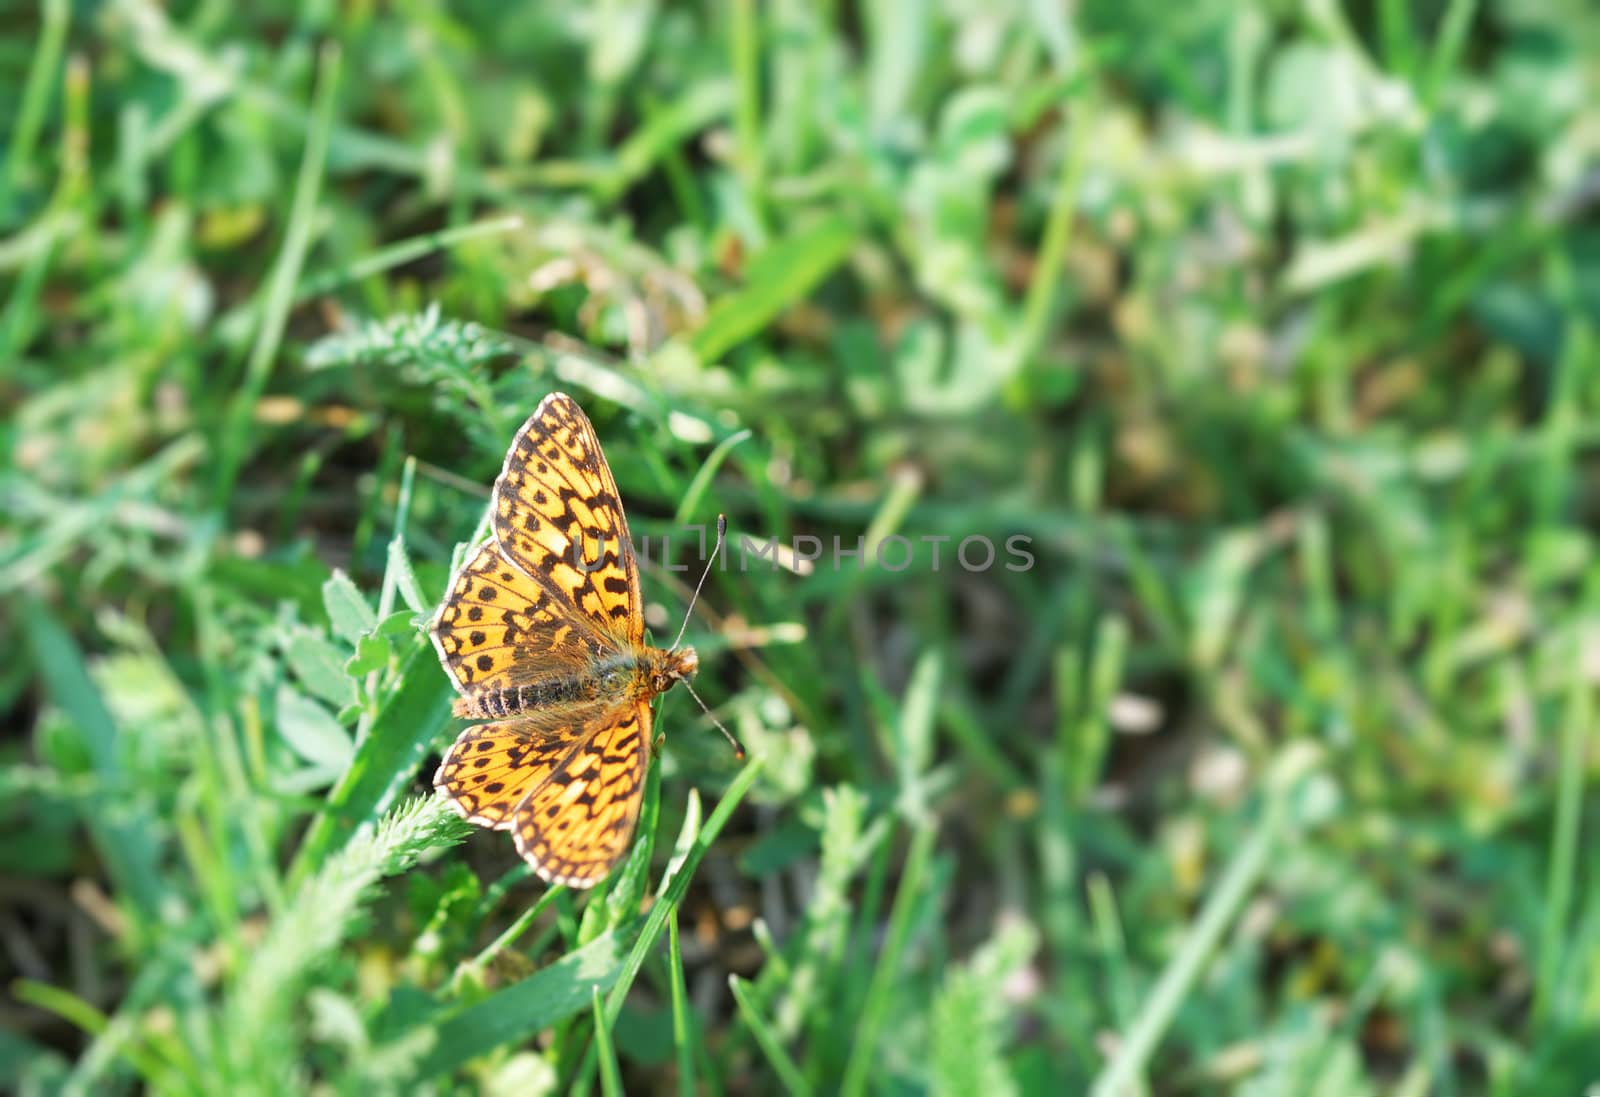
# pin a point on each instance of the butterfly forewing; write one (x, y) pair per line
(498, 627)
(577, 823)
(557, 516)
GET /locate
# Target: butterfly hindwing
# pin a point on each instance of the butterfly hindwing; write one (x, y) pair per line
(557, 516)
(576, 825)
(491, 768)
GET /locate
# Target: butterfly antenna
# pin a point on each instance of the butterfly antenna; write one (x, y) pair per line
(722, 532)
(738, 747)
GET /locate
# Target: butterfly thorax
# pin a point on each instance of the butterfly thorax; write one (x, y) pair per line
(638, 675)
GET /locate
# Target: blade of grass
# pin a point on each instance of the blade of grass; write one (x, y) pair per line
(897, 36)
(677, 883)
(22, 316)
(856, 972)
(1398, 38)
(398, 577)
(959, 716)
(28, 120)
(706, 104)
(156, 982)
(1111, 948)
(783, 1066)
(124, 836)
(745, 43)
(702, 478)
(1244, 871)
(552, 994)
(384, 259)
(914, 738)
(684, 1033)
(693, 841)
(610, 1076)
(1447, 49)
(405, 251)
(874, 1010)
(83, 1016)
(1085, 741)
(1564, 842)
(675, 166)
(904, 491)
(279, 292)
(1047, 271)
(779, 277)
(516, 929)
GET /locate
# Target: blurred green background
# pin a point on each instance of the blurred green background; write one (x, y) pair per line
(1272, 325)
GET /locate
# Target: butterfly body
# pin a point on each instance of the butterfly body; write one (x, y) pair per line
(542, 633)
(640, 675)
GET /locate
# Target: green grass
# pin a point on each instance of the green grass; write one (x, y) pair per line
(1272, 328)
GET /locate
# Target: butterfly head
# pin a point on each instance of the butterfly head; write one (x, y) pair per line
(680, 665)
(673, 666)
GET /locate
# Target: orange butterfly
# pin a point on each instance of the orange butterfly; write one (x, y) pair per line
(543, 634)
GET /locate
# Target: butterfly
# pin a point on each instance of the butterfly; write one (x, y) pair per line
(542, 632)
